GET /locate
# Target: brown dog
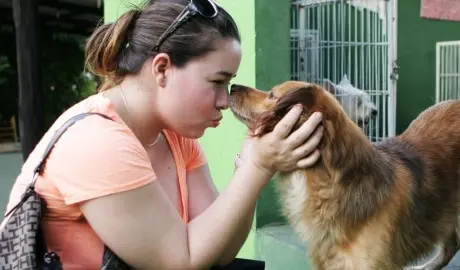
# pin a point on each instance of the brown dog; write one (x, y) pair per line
(363, 205)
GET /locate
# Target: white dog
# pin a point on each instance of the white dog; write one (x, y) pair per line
(356, 102)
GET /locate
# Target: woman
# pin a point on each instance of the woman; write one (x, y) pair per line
(139, 183)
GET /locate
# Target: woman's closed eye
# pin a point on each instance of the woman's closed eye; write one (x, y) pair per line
(221, 82)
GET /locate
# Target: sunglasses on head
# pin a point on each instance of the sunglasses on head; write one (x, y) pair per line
(205, 8)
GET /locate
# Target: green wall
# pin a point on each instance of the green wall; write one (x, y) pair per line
(222, 144)
(417, 39)
(115, 8)
(265, 62)
(272, 67)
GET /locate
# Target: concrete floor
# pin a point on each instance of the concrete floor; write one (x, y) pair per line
(281, 249)
(10, 166)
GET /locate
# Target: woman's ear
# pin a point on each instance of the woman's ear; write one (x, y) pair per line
(160, 65)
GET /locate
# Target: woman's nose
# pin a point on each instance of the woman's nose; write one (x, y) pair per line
(222, 101)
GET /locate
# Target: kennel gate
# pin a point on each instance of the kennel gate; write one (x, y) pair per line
(356, 38)
(447, 70)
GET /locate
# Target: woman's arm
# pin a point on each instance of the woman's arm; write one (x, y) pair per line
(143, 228)
(202, 193)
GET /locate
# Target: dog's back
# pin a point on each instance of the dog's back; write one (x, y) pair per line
(430, 150)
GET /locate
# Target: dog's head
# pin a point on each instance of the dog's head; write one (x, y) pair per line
(346, 153)
(357, 103)
(260, 111)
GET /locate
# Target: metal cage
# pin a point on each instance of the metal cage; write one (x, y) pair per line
(447, 70)
(352, 39)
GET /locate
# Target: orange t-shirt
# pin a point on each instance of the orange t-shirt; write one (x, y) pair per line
(93, 158)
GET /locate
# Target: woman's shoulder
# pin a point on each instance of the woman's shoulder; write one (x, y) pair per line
(94, 157)
(100, 136)
(97, 156)
(102, 123)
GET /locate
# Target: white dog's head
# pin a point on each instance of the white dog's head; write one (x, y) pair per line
(356, 102)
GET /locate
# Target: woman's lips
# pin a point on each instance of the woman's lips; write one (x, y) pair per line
(216, 122)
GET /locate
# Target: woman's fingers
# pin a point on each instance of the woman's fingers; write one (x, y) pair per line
(283, 153)
(310, 145)
(309, 161)
(303, 133)
(284, 126)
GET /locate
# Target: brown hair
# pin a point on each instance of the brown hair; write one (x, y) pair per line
(118, 49)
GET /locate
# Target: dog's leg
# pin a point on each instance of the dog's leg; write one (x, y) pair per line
(447, 251)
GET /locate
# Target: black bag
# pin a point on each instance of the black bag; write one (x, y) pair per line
(22, 245)
(242, 264)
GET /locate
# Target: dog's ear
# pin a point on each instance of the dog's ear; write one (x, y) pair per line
(329, 86)
(304, 96)
(265, 123)
(344, 80)
(332, 88)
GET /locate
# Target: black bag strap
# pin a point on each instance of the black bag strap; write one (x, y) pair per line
(41, 165)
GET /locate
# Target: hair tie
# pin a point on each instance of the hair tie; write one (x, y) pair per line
(136, 14)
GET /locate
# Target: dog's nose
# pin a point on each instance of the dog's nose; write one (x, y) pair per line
(236, 88)
(374, 112)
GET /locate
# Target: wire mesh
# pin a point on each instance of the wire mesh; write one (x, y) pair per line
(348, 43)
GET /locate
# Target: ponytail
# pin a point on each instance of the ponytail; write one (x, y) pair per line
(105, 45)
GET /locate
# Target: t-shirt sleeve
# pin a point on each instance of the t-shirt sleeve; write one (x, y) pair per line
(194, 155)
(97, 157)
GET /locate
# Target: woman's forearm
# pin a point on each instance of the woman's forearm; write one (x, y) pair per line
(230, 215)
(238, 240)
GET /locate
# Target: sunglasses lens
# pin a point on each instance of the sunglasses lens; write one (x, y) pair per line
(205, 7)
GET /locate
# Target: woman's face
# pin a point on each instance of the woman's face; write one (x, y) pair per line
(194, 95)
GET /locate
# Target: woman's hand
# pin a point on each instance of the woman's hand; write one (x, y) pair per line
(279, 151)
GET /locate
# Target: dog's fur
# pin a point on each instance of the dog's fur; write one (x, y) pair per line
(357, 103)
(366, 206)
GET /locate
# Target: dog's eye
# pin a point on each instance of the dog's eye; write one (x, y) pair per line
(271, 96)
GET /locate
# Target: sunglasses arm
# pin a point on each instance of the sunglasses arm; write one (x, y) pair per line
(181, 18)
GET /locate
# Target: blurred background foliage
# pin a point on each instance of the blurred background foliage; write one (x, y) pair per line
(64, 81)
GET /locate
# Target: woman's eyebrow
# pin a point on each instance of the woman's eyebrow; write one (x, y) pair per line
(226, 73)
